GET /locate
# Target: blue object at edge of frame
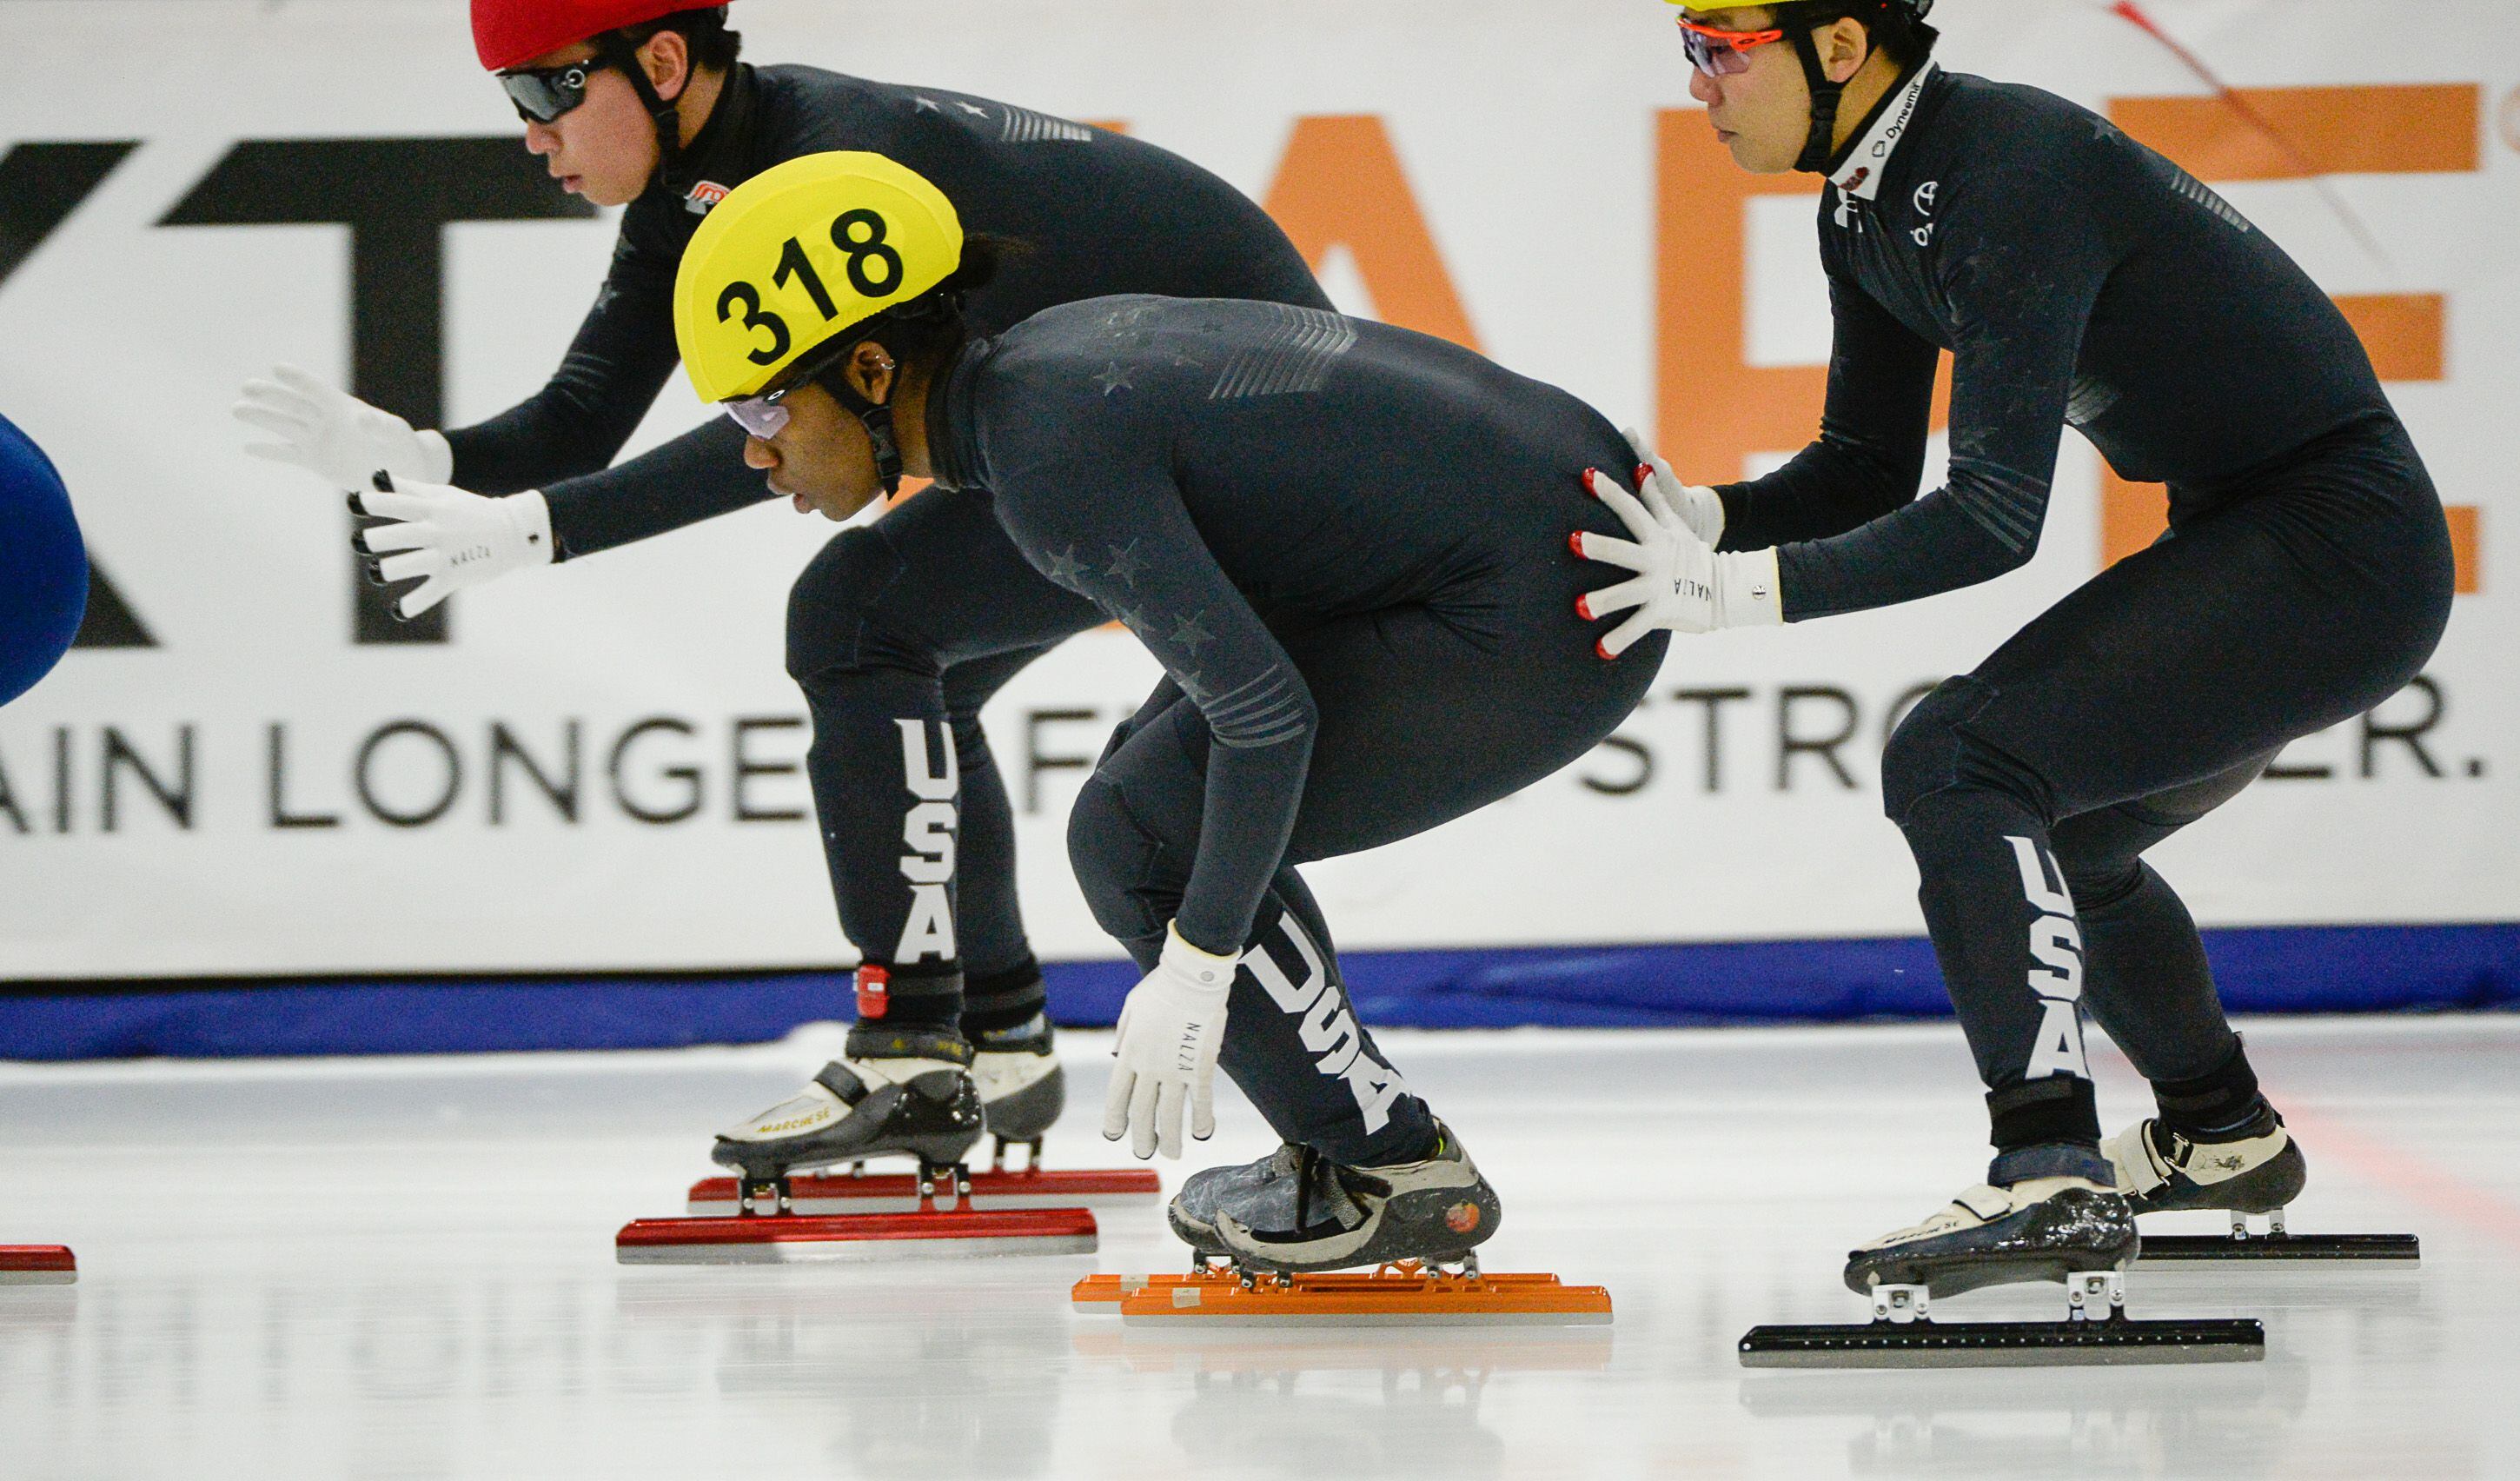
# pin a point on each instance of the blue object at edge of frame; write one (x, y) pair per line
(2296, 970)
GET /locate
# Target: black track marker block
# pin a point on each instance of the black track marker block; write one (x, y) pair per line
(2005, 1344)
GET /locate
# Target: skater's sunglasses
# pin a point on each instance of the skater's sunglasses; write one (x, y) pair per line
(543, 93)
(1718, 53)
(763, 416)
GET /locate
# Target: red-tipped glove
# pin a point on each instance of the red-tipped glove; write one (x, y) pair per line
(1681, 583)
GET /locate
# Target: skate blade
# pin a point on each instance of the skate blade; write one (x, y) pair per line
(2005, 1344)
(804, 1239)
(37, 1264)
(1347, 1299)
(898, 1193)
(2165, 1248)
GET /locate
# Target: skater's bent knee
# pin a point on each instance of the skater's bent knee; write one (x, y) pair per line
(834, 603)
(1114, 859)
(1924, 752)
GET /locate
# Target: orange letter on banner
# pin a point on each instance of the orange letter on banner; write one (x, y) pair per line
(2334, 130)
(1714, 409)
(1341, 185)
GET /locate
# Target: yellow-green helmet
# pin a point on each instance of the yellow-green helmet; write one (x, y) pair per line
(801, 253)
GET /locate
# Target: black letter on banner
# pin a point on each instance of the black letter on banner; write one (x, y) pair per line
(1714, 699)
(177, 800)
(1645, 769)
(746, 768)
(275, 752)
(9, 803)
(506, 748)
(2411, 737)
(445, 749)
(1790, 745)
(397, 196)
(687, 774)
(40, 186)
(1035, 762)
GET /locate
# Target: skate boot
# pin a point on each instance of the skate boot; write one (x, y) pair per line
(1325, 1216)
(1022, 1087)
(2254, 1168)
(1263, 1191)
(2038, 1229)
(916, 1100)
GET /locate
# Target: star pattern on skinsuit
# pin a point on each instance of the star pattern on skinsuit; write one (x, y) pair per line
(1188, 634)
(1064, 568)
(927, 106)
(973, 109)
(1194, 684)
(1130, 617)
(2102, 129)
(1113, 380)
(1125, 565)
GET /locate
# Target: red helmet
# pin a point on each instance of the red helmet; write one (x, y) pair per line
(506, 32)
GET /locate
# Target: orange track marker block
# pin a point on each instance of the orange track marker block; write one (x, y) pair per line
(1396, 1295)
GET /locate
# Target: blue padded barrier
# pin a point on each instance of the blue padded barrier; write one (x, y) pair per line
(2284, 969)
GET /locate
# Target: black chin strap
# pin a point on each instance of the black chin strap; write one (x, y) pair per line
(878, 421)
(668, 118)
(1822, 145)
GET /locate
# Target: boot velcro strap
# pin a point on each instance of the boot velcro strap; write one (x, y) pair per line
(841, 1081)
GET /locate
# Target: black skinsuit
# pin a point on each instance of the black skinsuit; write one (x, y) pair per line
(1346, 543)
(2078, 278)
(923, 616)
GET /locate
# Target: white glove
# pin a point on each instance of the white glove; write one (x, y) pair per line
(1682, 582)
(450, 538)
(1700, 509)
(339, 437)
(1170, 1030)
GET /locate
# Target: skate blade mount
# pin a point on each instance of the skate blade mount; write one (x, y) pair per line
(767, 1229)
(1405, 1293)
(2097, 1330)
(2279, 1243)
(37, 1264)
(1027, 1188)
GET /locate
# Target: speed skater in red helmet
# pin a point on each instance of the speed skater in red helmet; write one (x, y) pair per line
(900, 630)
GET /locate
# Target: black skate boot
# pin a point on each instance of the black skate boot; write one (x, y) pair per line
(1263, 1191)
(916, 1100)
(2254, 1168)
(1022, 1087)
(2038, 1229)
(1327, 1216)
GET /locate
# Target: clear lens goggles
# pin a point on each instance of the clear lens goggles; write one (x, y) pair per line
(762, 416)
(543, 96)
(1718, 53)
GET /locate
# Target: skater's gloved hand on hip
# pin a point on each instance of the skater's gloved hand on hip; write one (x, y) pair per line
(1170, 1030)
(448, 539)
(337, 436)
(1698, 508)
(1682, 582)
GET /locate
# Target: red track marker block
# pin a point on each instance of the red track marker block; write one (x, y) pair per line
(37, 1264)
(798, 1239)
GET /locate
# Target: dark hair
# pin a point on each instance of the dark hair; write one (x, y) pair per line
(1898, 30)
(927, 330)
(704, 32)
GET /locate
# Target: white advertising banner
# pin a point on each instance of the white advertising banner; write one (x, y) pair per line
(600, 768)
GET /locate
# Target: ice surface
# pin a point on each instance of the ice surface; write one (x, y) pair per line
(404, 1267)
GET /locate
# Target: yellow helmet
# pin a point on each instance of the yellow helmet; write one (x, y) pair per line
(801, 253)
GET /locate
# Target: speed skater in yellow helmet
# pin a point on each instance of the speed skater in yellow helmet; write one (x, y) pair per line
(790, 271)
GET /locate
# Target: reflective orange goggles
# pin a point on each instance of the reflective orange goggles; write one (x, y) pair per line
(1718, 53)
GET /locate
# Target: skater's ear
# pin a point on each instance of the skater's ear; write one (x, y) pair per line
(870, 371)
